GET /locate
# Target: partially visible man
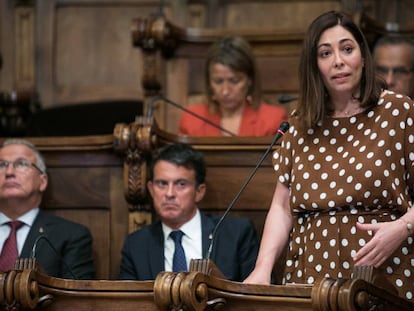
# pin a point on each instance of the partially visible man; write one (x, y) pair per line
(63, 248)
(394, 60)
(176, 184)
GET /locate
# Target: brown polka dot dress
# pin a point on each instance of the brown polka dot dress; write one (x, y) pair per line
(342, 171)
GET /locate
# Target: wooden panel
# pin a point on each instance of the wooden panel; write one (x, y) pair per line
(91, 186)
(233, 177)
(286, 15)
(86, 51)
(86, 186)
(102, 59)
(279, 75)
(99, 223)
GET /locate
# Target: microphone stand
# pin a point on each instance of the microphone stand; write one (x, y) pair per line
(33, 253)
(160, 97)
(281, 131)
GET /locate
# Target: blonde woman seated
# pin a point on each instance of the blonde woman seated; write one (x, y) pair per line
(233, 96)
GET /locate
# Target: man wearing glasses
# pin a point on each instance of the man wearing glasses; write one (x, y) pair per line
(394, 59)
(63, 248)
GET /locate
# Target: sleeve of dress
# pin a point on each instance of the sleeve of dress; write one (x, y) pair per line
(282, 158)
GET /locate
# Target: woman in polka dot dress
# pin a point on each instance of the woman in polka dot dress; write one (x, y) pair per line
(345, 168)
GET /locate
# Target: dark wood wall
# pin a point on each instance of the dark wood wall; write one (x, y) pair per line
(76, 51)
(87, 185)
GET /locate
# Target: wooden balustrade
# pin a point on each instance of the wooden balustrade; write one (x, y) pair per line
(24, 288)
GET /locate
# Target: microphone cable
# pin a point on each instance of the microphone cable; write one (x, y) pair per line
(168, 101)
(33, 253)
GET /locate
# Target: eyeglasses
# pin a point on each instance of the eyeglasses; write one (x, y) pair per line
(20, 165)
(398, 72)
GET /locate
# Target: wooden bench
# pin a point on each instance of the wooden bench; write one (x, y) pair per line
(100, 181)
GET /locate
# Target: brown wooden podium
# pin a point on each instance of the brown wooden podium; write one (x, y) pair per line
(25, 288)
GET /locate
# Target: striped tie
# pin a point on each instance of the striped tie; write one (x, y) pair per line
(179, 262)
(10, 253)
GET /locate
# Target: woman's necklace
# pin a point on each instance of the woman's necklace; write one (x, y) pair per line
(351, 110)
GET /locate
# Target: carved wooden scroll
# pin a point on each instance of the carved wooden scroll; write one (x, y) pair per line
(136, 142)
(19, 289)
(197, 291)
(155, 36)
(355, 295)
(25, 288)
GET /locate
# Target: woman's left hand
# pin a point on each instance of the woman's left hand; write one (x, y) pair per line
(387, 237)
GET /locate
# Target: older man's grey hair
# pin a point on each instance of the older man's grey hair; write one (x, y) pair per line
(40, 161)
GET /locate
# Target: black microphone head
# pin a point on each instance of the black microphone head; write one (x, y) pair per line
(284, 126)
(286, 99)
(150, 106)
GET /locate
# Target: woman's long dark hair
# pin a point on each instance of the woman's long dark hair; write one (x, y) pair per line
(314, 99)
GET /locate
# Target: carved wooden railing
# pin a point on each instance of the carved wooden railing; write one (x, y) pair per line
(24, 288)
(367, 290)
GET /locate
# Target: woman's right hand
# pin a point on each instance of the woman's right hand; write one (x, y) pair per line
(257, 277)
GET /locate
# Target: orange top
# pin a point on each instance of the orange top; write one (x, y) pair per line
(264, 121)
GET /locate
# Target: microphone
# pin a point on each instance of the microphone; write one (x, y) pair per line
(286, 99)
(284, 126)
(168, 101)
(33, 253)
(150, 111)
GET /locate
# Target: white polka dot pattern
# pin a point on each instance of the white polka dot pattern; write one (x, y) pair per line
(343, 171)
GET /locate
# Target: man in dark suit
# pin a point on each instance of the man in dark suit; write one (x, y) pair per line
(62, 248)
(176, 184)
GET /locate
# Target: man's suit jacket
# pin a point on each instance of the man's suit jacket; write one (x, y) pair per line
(234, 250)
(69, 253)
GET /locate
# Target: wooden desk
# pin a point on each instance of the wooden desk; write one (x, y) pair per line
(27, 289)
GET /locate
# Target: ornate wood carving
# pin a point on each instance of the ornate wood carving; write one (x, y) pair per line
(19, 290)
(25, 288)
(136, 142)
(197, 291)
(181, 291)
(153, 35)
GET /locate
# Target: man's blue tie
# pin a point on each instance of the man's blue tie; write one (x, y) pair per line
(179, 262)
